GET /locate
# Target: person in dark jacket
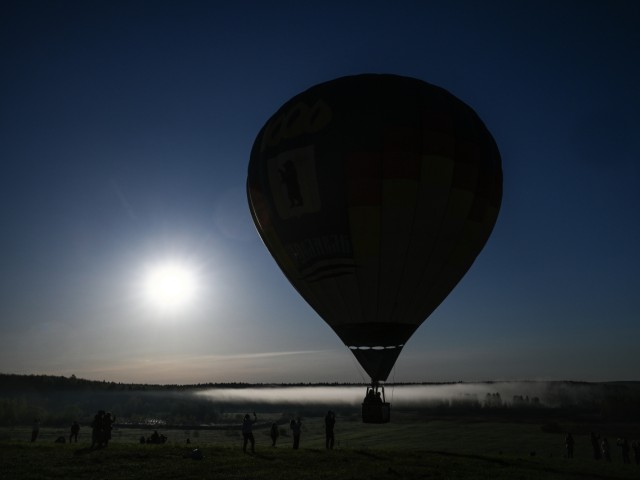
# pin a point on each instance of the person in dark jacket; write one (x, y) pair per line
(274, 433)
(595, 445)
(606, 450)
(75, 429)
(296, 427)
(568, 441)
(247, 432)
(623, 443)
(329, 423)
(35, 430)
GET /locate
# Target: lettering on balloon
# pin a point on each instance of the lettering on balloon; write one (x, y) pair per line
(312, 250)
(298, 120)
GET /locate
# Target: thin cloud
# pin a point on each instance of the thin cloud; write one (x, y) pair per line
(260, 355)
(184, 369)
(123, 201)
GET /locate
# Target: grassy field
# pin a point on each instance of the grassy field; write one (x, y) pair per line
(410, 447)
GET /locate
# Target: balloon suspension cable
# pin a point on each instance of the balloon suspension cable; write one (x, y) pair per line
(359, 369)
(376, 386)
(393, 386)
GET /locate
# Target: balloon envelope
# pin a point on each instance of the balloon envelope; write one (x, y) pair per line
(374, 194)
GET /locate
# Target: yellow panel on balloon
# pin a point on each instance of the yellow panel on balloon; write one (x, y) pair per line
(459, 203)
(437, 170)
(399, 192)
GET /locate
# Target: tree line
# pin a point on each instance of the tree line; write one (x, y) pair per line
(59, 400)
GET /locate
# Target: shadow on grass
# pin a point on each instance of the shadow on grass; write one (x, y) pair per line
(85, 450)
(262, 456)
(532, 466)
(369, 454)
(470, 456)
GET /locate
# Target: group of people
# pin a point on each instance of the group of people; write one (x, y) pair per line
(373, 397)
(602, 449)
(296, 429)
(73, 436)
(156, 438)
(101, 427)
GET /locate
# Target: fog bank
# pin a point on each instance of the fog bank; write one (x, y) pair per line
(552, 394)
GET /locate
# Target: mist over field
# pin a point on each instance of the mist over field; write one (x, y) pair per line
(60, 400)
(550, 394)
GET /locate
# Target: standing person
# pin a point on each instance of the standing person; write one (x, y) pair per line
(623, 443)
(568, 441)
(370, 397)
(329, 423)
(75, 429)
(595, 444)
(274, 434)
(107, 425)
(296, 427)
(247, 432)
(96, 430)
(606, 451)
(35, 430)
(635, 446)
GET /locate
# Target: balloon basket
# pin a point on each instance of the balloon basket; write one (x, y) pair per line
(376, 412)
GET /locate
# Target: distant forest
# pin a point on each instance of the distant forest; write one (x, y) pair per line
(57, 400)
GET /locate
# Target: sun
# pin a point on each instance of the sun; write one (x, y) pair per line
(170, 286)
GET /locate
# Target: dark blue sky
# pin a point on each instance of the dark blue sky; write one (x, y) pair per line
(125, 132)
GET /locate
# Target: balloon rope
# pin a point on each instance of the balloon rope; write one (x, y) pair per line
(393, 387)
(359, 369)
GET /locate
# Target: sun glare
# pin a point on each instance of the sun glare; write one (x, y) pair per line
(170, 286)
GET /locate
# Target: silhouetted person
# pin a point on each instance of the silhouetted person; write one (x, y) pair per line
(107, 425)
(623, 443)
(595, 445)
(296, 427)
(378, 397)
(568, 441)
(329, 423)
(606, 451)
(274, 433)
(75, 429)
(247, 432)
(289, 177)
(370, 397)
(635, 446)
(96, 430)
(35, 430)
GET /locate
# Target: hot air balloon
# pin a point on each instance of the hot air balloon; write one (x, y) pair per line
(374, 194)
